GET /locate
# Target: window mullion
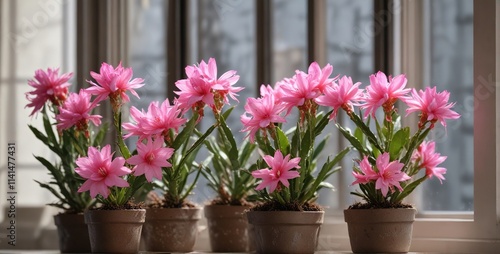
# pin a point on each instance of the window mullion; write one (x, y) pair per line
(486, 171)
(316, 31)
(177, 45)
(264, 42)
(383, 35)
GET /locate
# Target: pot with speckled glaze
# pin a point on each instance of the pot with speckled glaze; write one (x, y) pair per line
(285, 231)
(115, 231)
(171, 229)
(387, 230)
(227, 228)
(73, 233)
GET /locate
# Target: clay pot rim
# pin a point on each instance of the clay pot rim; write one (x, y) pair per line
(225, 211)
(379, 215)
(186, 213)
(139, 217)
(193, 209)
(381, 209)
(173, 208)
(97, 209)
(68, 218)
(235, 207)
(66, 213)
(286, 217)
(227, 205)
(274, 212)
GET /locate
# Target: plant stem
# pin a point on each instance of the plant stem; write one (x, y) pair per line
(366, 130)
(119, 135)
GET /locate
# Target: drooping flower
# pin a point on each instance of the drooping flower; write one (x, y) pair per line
(280, 171)
(384, 93)
(389, 174)
(343, 95)
(101, 171)
(433, 106)
(48, 86)
(76, 112)
(367, 174)
(150, 159)
(426, 157)
(263, 112)
(114, 82)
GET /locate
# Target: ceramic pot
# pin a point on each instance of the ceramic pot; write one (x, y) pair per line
(115, 231)
(73, 233)
(380, 230)
(285, 231)
(227, 228)
(171, 229)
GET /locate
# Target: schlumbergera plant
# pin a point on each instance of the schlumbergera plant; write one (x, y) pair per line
(109, 177)
(290, 176)
(159, 126)
(227, 173)
(70, 112)
(393, 162)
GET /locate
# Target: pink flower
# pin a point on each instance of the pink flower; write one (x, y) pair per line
(320, 77)
(367, 174)
(150, 159)
(298, 92)
(390, 174)
(101, 171)
(137, 129)
(280, 171)
(433, 106)
(263, 112)
(224, 84)
(387, 176)
(202, 87)
(277, 91)
(295, 92)
(383, 93)
(159, 120)
(114, 82)
(266, 90)
(343, 95)
(76, 111)
(49, 86)
(194, 90)
(426, 157)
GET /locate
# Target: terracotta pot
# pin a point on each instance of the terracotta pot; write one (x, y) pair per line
(73, 233)
(227, 228)
(115, 231)
(380, 230)
(171, 229)
(285, 231)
